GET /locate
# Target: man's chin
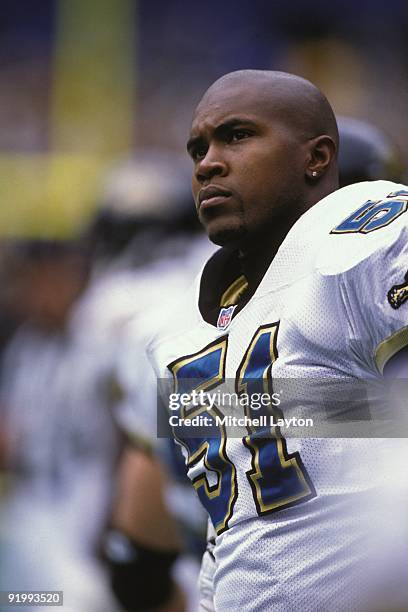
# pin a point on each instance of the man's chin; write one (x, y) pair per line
(226, 236)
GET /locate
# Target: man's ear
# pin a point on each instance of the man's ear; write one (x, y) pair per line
(322, 151)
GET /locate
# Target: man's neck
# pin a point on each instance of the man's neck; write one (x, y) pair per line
(256, 257)
(255, 262)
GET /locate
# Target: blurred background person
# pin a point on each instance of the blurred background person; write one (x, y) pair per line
(61, 442)
(148, 248)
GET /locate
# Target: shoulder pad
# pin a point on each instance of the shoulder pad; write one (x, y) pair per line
(359, 221)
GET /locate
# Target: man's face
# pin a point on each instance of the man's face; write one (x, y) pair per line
(249, 166)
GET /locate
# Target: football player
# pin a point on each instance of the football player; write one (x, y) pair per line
(309, 288)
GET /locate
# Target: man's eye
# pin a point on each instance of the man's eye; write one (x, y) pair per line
(198, 153)
(239, 135)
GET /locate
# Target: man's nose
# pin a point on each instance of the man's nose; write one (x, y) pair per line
(212, 164)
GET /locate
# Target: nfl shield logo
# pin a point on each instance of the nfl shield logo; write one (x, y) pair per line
(225, 316)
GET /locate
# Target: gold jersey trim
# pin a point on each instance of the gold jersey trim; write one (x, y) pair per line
(389, 347)
(232, 295)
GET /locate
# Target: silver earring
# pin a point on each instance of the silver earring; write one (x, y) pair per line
(314, 173)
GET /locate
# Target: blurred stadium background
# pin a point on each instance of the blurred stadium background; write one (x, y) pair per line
(85, 82)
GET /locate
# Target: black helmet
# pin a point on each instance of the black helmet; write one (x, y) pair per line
(147, 192)
(366, 153)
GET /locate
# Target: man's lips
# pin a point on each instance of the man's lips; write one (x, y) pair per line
(212, 195)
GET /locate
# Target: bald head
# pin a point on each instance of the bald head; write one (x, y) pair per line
(264, 150)
(286, 97)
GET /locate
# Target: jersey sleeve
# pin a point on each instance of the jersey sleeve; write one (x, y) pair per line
(375, 294)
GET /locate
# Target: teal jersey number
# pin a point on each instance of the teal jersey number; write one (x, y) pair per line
(216, 486)
(374, 215)
(278, 480)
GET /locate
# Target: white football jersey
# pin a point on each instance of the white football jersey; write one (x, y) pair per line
(303, 522)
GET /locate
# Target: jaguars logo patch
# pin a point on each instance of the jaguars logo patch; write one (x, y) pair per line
(398, 294)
